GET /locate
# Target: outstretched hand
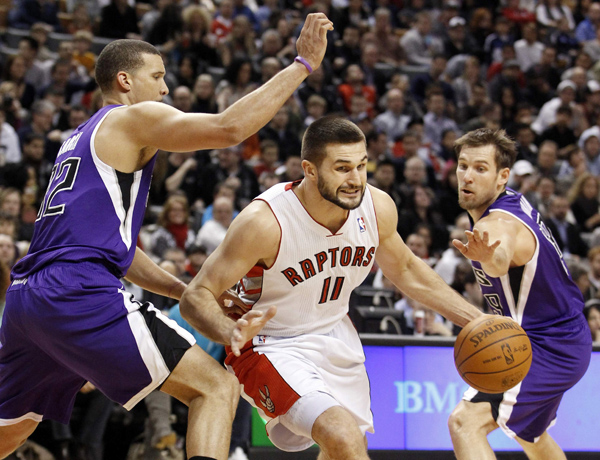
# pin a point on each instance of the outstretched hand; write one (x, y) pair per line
(312, 43)
(248, 326)
(478, 247)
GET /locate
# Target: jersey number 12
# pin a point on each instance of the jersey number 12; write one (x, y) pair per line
(71, 166)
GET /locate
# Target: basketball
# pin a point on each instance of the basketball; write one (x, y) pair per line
(492, 353)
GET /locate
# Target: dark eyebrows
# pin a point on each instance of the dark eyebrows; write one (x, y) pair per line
(348, 161)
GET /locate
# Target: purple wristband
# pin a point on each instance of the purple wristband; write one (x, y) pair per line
(304, 62)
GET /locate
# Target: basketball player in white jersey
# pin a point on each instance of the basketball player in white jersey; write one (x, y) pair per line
(303, 246)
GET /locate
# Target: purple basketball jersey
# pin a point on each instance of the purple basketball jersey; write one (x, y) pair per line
(542, 297)
(540, 294)
(90, 211)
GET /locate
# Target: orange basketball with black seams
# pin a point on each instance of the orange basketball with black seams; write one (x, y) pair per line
(492, 353)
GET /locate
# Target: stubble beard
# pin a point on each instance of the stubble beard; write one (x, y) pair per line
(333, 197)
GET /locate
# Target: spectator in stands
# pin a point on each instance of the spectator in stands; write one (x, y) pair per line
(393, 121)
(385, 40)
(166, 30)
(279, 130)
(42, 113)
(451, 257)
(354, 84)
(213, 232)
(196, 256)
(229, 166)
(8, 250)
(549, 12)
(118, 20)
(586, 29)
(496, 41)
(269, 67)
(566, 234)
(422, 209)
(560, 131)
(516, 14)
(480, 26)
(593, 257)
(173, 227)
(591, 103)
(418, 43)
(547, 159)
(589, 143)
(222, 24)
(528, 49)
(10, 148)
(436, 121)
(205, 100)
(15, 70)
(316, 107)
(347, 51)
(183, 99)
(291, 170)
(30, 12)
(317, 83)
(434, 78)
(583, 197)
(547, 116)
(458, 41)
(592, 315)
(236, 83)
(196, 38)
(225, 189)
(269, 158)
(239, 43)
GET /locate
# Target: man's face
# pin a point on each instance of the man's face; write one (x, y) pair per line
(77, 117)
(342, 176)
(396, 101)
(415, 172)
(385, 175)
(547, 157)
(34, 150)
(7, 248)
(43, 119)
(437, 104)
(478, 180)
(148, 82)
(595, 266)
(416, 243)
(559, 209)
(182, 99)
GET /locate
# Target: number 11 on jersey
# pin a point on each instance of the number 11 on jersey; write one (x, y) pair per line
(337, 289)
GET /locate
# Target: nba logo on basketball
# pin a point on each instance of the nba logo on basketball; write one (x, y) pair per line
(361, 225)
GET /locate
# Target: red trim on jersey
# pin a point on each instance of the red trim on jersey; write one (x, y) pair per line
(257, 374)
(316, 221)
(280, 230)
(375, 212)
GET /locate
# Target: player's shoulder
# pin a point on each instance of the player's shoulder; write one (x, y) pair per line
(257, 221)
(385, 210)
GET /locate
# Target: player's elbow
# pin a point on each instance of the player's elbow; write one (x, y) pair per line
(186, 307)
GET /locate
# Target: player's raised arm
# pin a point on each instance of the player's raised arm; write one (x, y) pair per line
(409, 273)
(160, 126)
(253, 238)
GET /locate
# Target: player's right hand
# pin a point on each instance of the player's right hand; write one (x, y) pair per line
(312, 43)
(248, 326)
(478, 247)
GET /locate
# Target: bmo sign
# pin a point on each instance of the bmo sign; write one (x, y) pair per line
(415, 388)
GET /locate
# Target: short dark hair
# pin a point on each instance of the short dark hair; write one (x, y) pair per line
(32, 42)
(30, 137)
(506, 151)
(120, 56)
(331, 129)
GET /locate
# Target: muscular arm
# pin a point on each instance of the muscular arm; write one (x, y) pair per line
(148, 126)
(147, 275)
(498, 242)
(409, 273)
(252, 238)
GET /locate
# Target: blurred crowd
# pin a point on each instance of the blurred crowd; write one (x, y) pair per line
(412, 74)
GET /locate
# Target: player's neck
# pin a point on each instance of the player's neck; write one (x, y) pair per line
(322, 211)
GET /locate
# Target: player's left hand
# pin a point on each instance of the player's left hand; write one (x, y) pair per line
(248, 326)
(478, 247)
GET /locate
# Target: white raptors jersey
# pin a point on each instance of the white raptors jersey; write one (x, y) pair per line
(315, 271)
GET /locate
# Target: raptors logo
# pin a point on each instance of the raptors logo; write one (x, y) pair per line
(266, 401)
